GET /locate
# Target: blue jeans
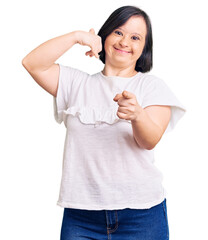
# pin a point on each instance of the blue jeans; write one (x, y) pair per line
(124, 224)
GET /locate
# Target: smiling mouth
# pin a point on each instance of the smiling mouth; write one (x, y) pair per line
(121, 51)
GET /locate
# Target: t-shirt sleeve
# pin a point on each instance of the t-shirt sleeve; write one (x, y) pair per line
(60, 102)
(156, 92)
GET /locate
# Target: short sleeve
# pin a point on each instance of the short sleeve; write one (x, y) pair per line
(60, 102)
(156, 92)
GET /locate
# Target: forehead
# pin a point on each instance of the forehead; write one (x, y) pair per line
(135, 24)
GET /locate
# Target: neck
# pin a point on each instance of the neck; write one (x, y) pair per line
(121, 72)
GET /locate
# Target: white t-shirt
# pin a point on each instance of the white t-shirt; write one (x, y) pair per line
(103, 166)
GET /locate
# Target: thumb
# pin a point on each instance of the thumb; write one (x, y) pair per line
(126, 94)
(92, 31)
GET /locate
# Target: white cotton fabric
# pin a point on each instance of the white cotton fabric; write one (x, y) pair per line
(103, 166)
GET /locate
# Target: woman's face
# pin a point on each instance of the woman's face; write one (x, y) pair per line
(124, 45)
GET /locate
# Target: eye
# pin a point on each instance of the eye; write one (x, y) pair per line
(135, 38)
(118, 32)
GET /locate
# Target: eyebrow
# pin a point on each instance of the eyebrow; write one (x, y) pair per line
(131, 33)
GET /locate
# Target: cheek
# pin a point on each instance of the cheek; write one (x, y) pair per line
(108, 45)
(110, 40)
(138, 50)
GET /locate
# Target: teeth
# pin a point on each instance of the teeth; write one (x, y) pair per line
(121, 50)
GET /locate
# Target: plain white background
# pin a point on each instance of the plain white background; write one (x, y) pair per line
(32, 142)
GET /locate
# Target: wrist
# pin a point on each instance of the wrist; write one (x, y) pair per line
(139, 114)
(77, 35)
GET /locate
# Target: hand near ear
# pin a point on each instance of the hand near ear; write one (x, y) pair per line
(95, 44)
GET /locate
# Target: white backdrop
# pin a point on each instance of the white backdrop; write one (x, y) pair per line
(32, 142)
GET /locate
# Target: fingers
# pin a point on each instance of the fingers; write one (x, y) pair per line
(128, 95)
(124, 94)
(96, 45)
(94, 53)
(117, 97)
(91, 54)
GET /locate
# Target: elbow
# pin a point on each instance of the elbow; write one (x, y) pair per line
(24, 63)
(150, 146)
(146, 146)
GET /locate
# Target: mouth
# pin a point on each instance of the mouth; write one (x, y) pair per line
(121, 51)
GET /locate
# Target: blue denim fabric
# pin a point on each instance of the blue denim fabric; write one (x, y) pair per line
(124, 224)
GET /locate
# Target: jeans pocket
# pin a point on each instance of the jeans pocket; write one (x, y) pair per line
(166, 217)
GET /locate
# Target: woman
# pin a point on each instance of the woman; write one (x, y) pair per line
(114, 119)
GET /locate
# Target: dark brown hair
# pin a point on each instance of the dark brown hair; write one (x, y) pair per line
(117, 19)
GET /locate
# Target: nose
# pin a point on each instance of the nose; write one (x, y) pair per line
(123, 42)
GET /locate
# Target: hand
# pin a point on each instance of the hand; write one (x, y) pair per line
(92, 40)
(128, 109)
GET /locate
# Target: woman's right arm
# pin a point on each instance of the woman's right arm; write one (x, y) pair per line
(40, 62)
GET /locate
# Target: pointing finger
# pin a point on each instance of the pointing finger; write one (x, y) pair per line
(126, 94)
(117, 97)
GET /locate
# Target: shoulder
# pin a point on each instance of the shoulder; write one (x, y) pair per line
(147, 78)
(68, 68)
(71, 71)
(147, 82)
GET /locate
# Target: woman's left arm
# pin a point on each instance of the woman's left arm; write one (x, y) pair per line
(148, 124)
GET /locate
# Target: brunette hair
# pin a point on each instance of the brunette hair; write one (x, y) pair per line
(117, 19)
